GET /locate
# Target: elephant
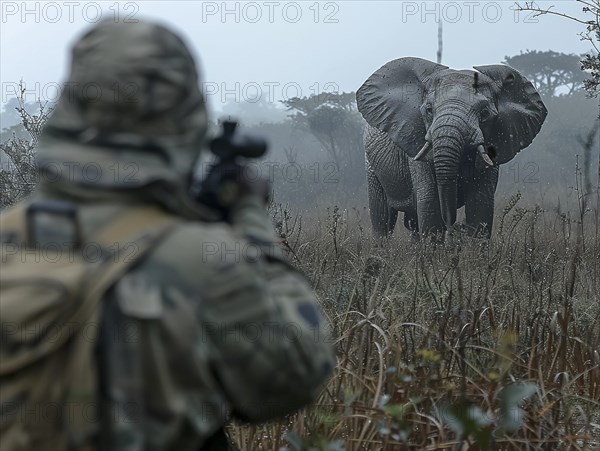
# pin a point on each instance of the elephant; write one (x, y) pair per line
(435, 138)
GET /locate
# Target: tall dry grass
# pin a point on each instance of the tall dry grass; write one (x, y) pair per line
(473, 345)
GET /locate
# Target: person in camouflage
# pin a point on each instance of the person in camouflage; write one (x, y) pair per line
(213, 322)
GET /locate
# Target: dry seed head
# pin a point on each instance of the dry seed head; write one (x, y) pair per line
(554, 322)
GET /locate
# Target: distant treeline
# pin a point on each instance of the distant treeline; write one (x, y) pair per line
(316, 156)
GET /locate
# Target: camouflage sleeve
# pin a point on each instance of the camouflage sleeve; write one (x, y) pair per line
(271, 348)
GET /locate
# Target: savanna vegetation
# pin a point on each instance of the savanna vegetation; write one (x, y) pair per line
(480, 346)
(471, 346)
(474, 345)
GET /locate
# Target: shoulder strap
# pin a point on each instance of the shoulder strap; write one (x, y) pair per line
(13, 218)
(142, 226)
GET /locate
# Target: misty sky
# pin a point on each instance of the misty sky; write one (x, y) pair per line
(277, 49)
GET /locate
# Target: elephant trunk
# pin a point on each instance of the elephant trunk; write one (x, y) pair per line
(448, 141)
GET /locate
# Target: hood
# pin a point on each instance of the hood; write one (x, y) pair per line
(130, 121)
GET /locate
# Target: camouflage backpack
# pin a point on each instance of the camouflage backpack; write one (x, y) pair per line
(50, 295)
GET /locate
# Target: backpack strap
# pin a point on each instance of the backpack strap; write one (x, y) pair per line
(13, 221)
(74, 372)
(142, 227)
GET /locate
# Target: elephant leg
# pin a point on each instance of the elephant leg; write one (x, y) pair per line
(392, 219)
(411, 222)
(429, 217)
(383, 217)
(479, 203)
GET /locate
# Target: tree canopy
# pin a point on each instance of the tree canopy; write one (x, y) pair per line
(590, 62)
(552, 73)
(334, 120)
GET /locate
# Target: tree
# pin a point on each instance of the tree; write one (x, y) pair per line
(18, 173)
(334, 120)
(11, 117)
(550, 71)
(254, 113)
(590, 61)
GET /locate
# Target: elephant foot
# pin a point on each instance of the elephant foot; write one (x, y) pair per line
(381, 241)
(453, 240)
(478, 232)
(432, 237)
(460, 234)
(411, 224)
(378, 242)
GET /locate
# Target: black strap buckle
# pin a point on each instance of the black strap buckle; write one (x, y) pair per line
(54, 223)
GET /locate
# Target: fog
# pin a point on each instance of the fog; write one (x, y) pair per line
(253, 56)
(263, 52)
(460, 293)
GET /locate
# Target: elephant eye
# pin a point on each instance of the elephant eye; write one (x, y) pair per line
(429, 110)
(485, 115)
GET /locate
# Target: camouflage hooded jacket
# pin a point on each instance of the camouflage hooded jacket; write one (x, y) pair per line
(205, 326)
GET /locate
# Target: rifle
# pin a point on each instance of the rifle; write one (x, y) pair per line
(222, 185)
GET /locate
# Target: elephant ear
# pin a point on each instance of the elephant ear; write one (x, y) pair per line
(521, 112)
(391, 98)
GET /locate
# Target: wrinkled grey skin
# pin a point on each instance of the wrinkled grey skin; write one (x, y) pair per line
(411, 101)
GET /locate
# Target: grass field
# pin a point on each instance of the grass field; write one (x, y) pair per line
(451, 347)
(471, 345)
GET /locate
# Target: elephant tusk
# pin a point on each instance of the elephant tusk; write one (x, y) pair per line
(423, 151)
(484, 155)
